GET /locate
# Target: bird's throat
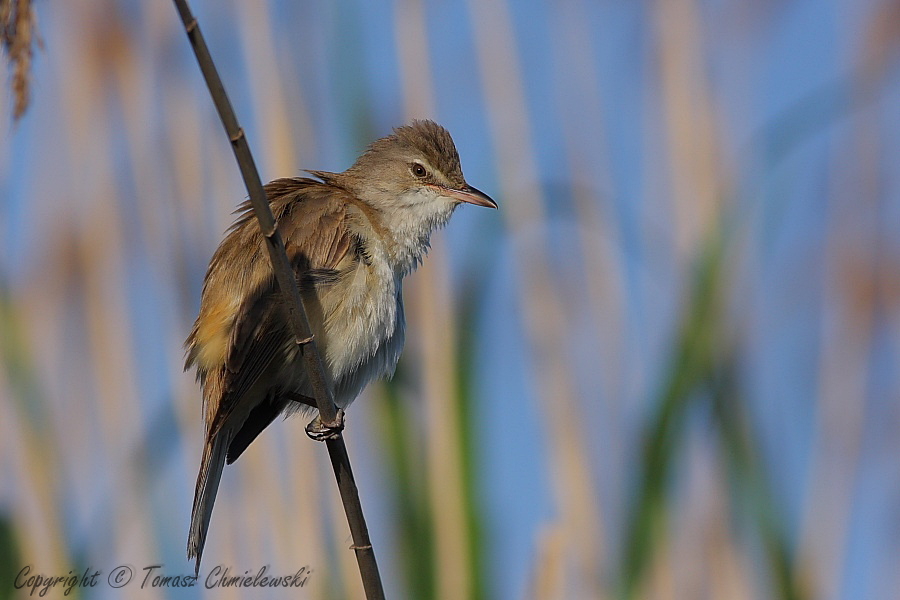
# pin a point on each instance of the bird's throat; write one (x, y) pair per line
(411, 227)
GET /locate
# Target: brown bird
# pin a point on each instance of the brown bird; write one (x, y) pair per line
(351, 237)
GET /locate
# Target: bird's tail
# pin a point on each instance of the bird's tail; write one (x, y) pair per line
(205, 494)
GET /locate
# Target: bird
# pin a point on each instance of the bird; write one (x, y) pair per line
(351, 238)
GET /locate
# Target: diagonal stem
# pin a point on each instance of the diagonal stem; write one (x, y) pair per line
(299, 322)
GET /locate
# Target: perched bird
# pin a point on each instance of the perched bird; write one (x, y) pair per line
(351, 237)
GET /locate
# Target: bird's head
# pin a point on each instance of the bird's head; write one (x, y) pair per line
(415, 169)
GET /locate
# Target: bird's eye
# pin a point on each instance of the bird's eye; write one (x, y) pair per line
(418, 170)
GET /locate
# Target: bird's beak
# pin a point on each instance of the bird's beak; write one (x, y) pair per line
(471, 195)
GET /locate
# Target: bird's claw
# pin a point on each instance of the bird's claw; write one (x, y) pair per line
(320, 432)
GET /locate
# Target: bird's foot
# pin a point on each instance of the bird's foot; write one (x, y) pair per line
(320, 432)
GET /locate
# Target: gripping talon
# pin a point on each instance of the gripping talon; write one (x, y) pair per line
(319, 431)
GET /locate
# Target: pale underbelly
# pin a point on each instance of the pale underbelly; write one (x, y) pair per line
(357, 347)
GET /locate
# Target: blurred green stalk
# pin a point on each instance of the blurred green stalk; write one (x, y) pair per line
(465, 360)
(415, 518)
(702, 361)
(416, 533)
(692, 364)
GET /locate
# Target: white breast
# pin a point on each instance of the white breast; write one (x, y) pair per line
(364, 326)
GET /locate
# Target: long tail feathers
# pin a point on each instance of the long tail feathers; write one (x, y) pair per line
(205, 494)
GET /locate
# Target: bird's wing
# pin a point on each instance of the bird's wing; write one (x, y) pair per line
(312, 221)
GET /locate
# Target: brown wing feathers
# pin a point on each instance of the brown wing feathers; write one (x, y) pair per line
(317, 242)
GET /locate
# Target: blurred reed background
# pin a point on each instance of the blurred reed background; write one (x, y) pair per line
(666, 368)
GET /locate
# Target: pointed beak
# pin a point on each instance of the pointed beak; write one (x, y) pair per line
(470, 195)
